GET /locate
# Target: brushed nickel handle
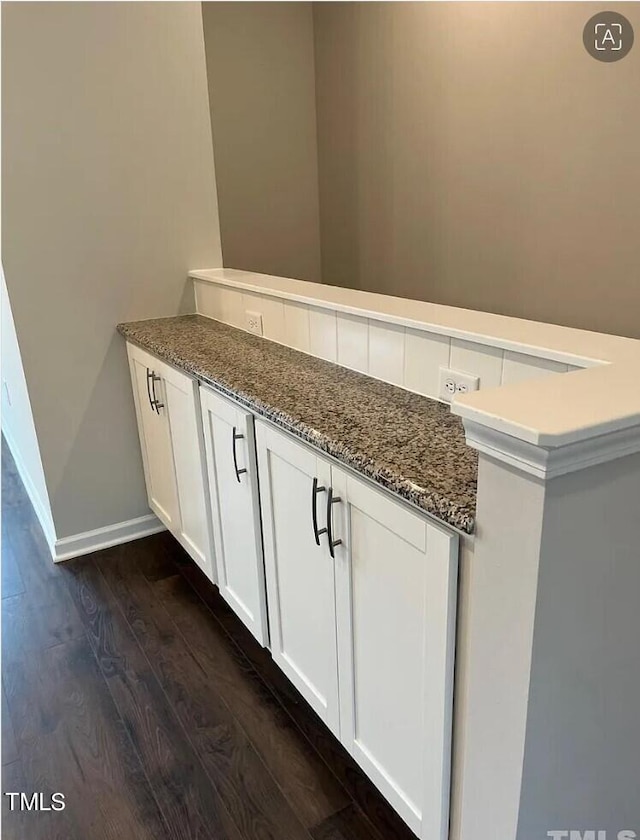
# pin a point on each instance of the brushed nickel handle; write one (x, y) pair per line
(149, 376)
(235, 437)
(156, 402)
(314, 510)
(331, 500)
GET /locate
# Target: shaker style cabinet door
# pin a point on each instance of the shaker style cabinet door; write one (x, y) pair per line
(396, 583)
(182, 405)
(235, 509)
(294, 485)
(155, 436)
(170, 431)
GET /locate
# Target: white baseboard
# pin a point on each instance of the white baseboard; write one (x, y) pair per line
(40, 506)
(121, 532)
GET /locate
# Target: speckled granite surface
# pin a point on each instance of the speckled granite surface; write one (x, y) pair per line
(408, 444)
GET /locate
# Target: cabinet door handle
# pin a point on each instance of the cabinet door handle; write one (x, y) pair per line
(236, 436)
(149, 379)
(156, 402)
(331, 500)
(314, 510)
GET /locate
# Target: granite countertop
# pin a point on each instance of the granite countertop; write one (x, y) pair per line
(408, 444)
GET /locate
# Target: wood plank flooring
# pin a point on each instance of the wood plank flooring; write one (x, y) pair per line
(129, 686)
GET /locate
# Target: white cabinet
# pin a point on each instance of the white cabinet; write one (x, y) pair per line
(361, 589)
(171, 440)
(235, 511)
(396, 582)
(181, 397)
(363, 623)
(300, 572)
(155, 437)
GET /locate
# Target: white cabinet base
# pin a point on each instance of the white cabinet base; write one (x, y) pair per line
(364, 626)
(155, 438)
(235, 509)
(367, 635)
(167, 411)
(300, 574)
(396, 583)
(181, 396)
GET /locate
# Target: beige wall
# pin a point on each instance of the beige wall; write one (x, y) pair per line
(108, 199)
(17, 419)
(485, 159)
(471, 154)
(261, 87)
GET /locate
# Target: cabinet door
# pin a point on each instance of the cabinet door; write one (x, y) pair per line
(155, 439)
(300, 573)
(235, 511)
(181, 399)
(396, 582)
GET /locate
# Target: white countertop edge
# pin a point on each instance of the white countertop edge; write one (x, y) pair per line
(554, 411)
(557, 411)
(541, 438)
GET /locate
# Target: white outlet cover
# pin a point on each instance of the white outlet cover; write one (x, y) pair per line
(253, 322)
(453, 383)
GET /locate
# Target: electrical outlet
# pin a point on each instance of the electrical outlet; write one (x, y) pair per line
(253, 322)
(456, 382)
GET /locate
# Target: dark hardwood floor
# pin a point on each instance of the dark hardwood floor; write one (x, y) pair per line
(129, 686)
